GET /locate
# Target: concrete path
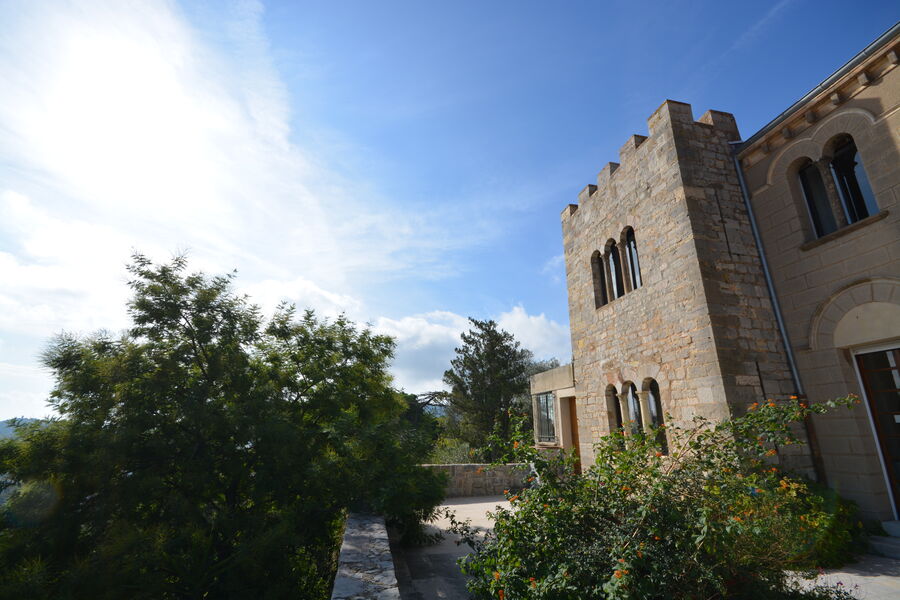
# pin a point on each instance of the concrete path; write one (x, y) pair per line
(872, 578)
(431, 572)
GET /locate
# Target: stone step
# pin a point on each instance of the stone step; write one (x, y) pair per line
(892, 528)
(885, 546)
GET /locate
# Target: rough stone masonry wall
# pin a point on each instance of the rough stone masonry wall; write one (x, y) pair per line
(465, 480)
(684, 326)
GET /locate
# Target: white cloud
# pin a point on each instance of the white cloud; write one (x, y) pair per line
(425, 342)
(543, 336)
(25, 391)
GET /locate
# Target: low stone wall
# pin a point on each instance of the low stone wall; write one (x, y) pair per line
(481, 480)
(365, 567)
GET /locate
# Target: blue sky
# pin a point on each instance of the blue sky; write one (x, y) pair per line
(402, 162)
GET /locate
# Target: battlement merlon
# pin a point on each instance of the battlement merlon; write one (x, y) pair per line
(671, 115)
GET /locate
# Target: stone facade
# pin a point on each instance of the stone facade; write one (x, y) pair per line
(700, 321)
(839, 293)
(701, 325)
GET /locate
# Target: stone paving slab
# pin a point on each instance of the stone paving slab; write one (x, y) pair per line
(365, 568)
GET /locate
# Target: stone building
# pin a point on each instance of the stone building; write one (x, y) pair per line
(706, 273)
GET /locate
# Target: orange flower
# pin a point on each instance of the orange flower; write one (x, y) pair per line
(500, 594)
(738, 519)
(514, 498)
(771, 453)
(658, 454)
(794, 396)
(505, 492)
(515, 444)
(754, 406)
(531, 579)
(618, 574)
(773, 469)
(546, 506)
(657, 538)
(625, 488)
(497, 575)
(621, 560)
(759, 490)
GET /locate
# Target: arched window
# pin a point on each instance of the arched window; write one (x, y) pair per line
(631, 253)
(613, 408)
(615, 271)
(656, 412)
(851, 180)
(634, 408)
(600, 297)
(816, 199)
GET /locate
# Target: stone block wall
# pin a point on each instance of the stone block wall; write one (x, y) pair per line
(465, 480)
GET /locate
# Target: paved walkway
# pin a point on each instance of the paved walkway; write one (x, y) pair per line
(872, 578)
(431, 572)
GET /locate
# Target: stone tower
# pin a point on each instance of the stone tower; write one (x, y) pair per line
(695, 317)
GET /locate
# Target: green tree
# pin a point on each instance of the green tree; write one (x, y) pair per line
(488, 379)
(205, 453)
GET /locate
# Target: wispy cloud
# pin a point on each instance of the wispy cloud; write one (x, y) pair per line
(124, 126)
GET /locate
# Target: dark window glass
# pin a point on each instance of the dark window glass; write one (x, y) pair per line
(600, 298)
(817, 200)
(852, 182)
(656, 414)
(615, 271)
(612, 400)
(546, 418)
(634, 266)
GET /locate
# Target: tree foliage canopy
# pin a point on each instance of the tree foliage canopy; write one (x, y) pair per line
(488, 378)
(205, 453)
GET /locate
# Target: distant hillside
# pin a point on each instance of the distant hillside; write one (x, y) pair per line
(6, 429)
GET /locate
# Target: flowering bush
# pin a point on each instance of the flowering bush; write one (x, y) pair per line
(715, 519)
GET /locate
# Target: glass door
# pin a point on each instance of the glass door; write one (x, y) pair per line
(880, 374)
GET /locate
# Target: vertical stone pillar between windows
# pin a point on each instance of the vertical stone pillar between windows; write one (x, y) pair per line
(646, 417)
(626, 414)
(834, 197)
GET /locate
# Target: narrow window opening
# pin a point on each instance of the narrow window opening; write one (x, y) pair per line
(634, 267)
(600, 297)
(615, 271)
(634, 408)
(816, 199)
(656, 414)
(546, 418)
(852, 182)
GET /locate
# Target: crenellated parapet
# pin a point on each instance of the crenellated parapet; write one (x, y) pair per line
(672, 131)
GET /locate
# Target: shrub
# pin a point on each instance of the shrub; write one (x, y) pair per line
(205, 453)
(715, 519)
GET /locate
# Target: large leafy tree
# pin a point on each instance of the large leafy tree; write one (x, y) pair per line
(205, 453)
(488, 378)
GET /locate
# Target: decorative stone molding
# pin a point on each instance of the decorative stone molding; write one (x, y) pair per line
(855, 121)
(860, 298)
(365, 568)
